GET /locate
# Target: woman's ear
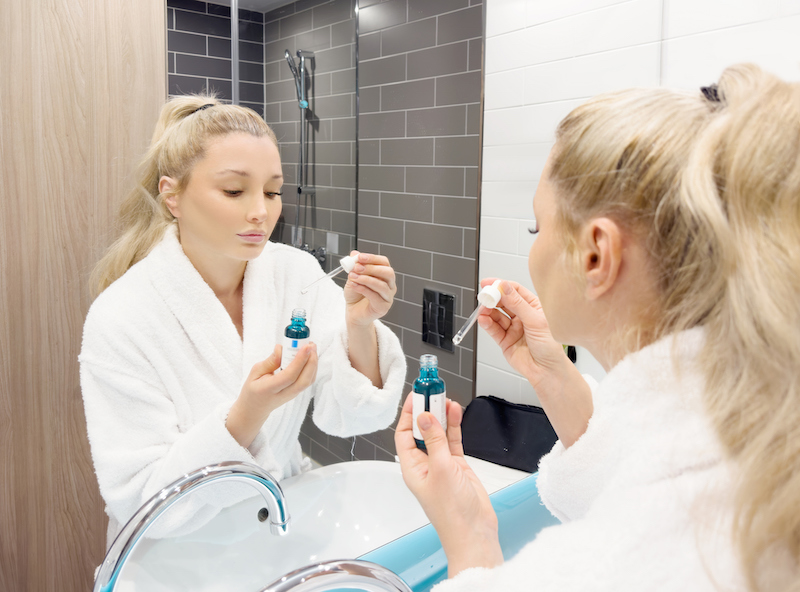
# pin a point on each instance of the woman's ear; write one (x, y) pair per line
(601, 255)
(167, 187)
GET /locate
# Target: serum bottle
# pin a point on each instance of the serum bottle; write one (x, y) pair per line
(296, 335)
(429, 395)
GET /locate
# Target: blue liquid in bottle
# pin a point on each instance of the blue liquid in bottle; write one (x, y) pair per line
(429, 395)
(295, 336)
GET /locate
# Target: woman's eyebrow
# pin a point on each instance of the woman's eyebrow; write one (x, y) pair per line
(240, 173)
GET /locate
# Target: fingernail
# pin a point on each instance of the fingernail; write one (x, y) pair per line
(424, 422)
(359, 268)
(352, 275)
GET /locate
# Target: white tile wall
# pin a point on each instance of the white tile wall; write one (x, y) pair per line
(500, 235)
(686, 17)
(506, 17)
(542, 11)
(589, 75)
(509, 162)
(501, 198)
(696, 60)
(541, 66)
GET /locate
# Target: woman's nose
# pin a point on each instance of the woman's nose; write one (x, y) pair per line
(257, 211)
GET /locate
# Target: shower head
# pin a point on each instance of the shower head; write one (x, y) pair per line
(295, 74)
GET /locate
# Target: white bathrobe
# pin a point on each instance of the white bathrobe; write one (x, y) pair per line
(162, 362)
(643, 495)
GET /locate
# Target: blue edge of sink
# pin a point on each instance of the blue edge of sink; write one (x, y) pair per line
(418, 557)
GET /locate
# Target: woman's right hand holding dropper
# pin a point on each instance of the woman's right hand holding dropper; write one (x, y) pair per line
(266, 389)
(530, 349)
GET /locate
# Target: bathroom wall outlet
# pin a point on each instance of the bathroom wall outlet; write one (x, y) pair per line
(437, 319)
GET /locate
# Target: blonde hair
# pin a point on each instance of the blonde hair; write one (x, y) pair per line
(748, 162)
(621, 155)
(181, 136)
(712, 189)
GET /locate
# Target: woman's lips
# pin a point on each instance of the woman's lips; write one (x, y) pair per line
(252, 237)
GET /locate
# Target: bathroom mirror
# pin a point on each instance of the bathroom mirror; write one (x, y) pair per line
(393, 143)
(294, 63)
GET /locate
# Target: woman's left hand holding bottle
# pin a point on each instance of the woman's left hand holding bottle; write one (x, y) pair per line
(452, 496)
(266, 389)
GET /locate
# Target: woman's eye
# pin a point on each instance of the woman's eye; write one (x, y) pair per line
(232, 192)
(272, 194)
(534, 229)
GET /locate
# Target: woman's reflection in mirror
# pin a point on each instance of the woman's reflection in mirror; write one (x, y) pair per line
(182, 346)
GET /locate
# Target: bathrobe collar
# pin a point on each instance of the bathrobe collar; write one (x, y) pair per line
(649, 423)
(194, 304)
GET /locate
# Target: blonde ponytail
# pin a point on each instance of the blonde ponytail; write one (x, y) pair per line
(711, 186)
(184, 128)
(749, 163)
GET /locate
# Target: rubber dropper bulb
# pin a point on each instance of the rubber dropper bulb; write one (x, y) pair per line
(347, 263)
(488, 297)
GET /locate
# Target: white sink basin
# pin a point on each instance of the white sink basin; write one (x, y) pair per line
(338, 511)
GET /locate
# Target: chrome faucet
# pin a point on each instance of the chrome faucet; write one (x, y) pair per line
(333, 575)
(133, 530)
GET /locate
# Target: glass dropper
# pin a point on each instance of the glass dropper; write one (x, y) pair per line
(345, 264)
(459, 337)
(488, 297)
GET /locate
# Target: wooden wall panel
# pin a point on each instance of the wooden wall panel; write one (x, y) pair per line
(82, 84)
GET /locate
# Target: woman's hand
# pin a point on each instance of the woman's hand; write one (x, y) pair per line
(266, 389)
(531, 350)
(524, 338)
(448, 490)
(370, 289)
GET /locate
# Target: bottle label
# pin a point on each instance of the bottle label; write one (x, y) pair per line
(438, 406)
(290, 347)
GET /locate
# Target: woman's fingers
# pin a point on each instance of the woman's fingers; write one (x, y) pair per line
(498, 317)
(367, 258)
(512, 301)
(404, 436)
(268, 365)
(377, 286)
(454, 416)
(290, 375)
(436, 441)
(413, 461)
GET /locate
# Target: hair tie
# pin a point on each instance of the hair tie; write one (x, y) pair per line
(711, 93)
(206, 106)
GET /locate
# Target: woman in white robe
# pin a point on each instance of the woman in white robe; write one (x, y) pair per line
(180, 362)
(669, 246)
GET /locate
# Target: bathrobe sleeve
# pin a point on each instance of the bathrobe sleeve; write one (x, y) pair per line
(570, 479)
(642, 538)
(133, 426)
(346, 402)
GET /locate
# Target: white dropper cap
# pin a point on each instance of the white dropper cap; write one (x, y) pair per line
(489, 296)
(347, 263)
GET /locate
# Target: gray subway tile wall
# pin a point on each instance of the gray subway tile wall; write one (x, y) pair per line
(199, 51)
(420, 83)
(326, 27)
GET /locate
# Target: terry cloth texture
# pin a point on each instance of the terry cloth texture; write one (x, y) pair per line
(644, 495)
(162, 362)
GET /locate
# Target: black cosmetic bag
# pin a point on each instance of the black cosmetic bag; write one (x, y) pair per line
(507, 434)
